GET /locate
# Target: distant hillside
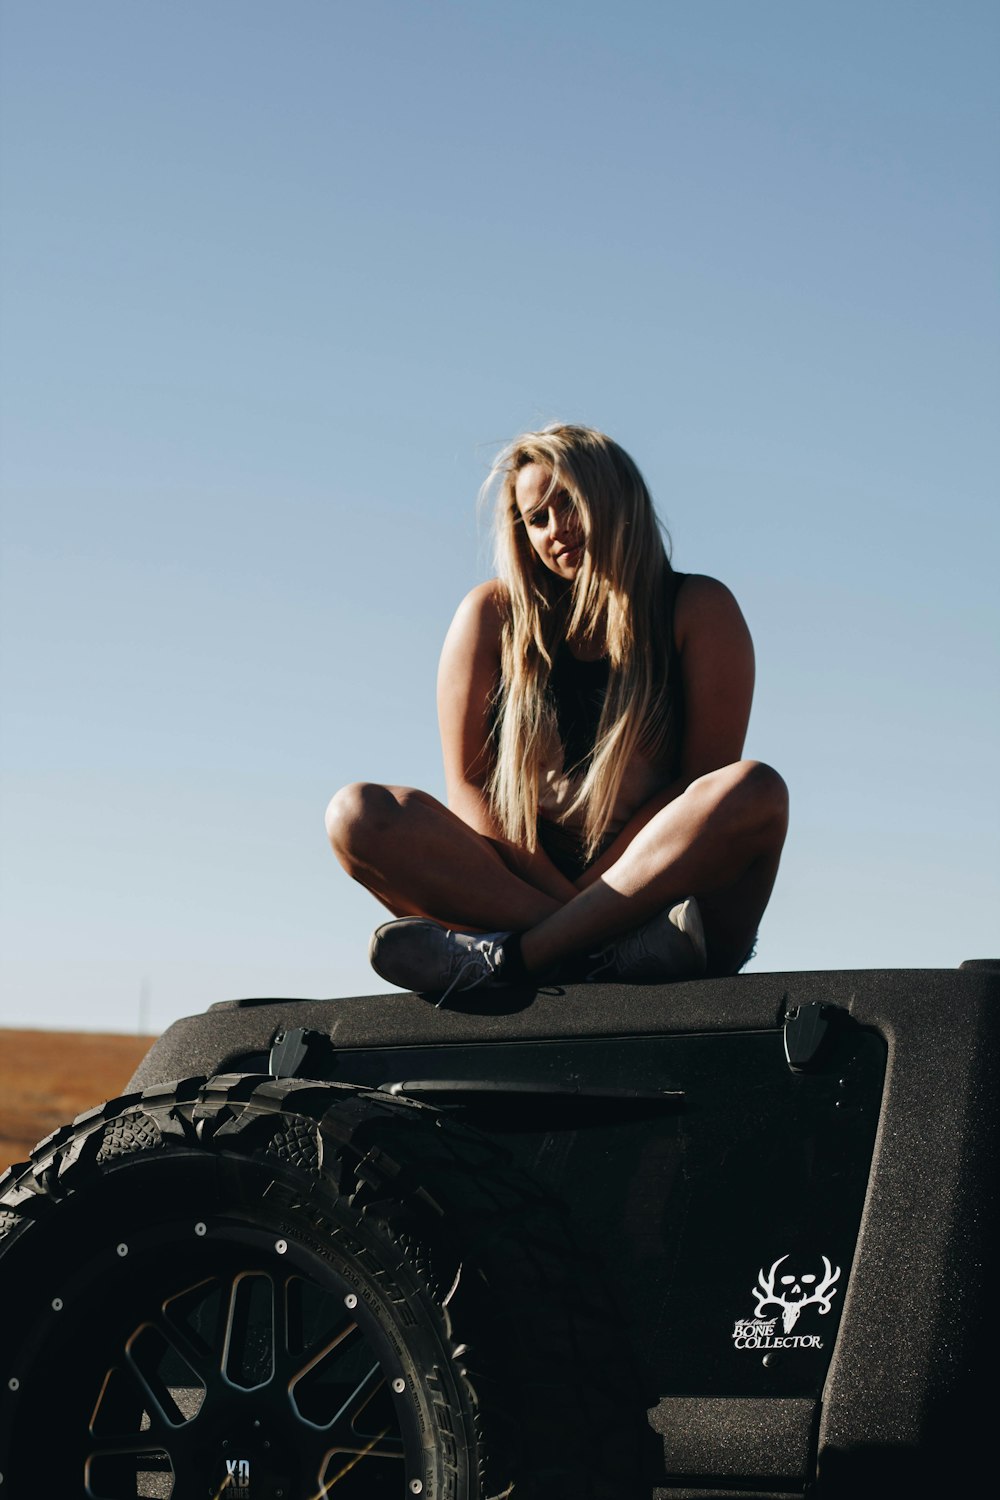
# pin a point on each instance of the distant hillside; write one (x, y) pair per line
(47, 1077)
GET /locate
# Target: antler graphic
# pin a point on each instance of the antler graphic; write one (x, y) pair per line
(765, 1292)
(822, 1293)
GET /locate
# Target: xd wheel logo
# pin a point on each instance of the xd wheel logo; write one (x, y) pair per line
(237, 1483)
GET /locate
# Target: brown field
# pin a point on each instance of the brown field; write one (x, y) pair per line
(47, 1077)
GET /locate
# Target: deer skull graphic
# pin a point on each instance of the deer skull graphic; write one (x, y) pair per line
(801, 1291)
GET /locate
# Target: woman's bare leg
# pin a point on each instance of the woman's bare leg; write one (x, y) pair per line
(419, 859)
(720, 841)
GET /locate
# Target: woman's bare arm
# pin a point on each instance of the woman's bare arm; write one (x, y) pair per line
(468, 673)
(717, 671)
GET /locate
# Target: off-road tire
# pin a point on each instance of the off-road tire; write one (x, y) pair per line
(288, 1290)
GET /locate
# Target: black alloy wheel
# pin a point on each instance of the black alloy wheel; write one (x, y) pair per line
(275, 1290)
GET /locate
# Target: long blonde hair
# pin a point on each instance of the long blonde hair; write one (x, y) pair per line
(615, 601)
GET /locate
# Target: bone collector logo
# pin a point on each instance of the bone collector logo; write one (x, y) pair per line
(787, 1296)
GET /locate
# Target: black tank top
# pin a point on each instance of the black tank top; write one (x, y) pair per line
(578, 689)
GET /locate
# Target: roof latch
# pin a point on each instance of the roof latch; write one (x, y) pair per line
(806, 1030)
(300, 1053)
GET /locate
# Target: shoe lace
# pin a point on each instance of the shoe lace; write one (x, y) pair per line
(621, 954)
(480, 962)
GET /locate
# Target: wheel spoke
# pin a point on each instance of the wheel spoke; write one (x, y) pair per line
(347, 1459)
(171, 1384)
(195, 1320)
(374, 1399)
(248, 1354)
(333, 1388)
(314, 1317)
(135, 1471)
(122, 1413)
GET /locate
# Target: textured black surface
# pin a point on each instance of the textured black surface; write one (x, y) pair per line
(905, 1399)
(720, 1492)
(733, 1439)
(235, 1028)
(909, 1391)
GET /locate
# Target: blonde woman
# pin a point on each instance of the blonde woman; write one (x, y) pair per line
(593, 705)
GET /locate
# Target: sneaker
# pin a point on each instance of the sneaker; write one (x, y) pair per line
(420, 955)
(670, 945)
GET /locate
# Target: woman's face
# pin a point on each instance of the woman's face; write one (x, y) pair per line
(551, 524)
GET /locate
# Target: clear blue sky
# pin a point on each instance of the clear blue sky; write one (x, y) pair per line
(278, 279)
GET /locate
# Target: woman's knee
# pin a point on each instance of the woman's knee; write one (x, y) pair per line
(357, 816)
(766, 798)
(767, 789)
(755, 792)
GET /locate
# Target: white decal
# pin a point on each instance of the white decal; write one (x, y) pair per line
(789, 1295)
(797, 1297)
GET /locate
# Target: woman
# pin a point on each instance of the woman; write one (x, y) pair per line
(593, 705)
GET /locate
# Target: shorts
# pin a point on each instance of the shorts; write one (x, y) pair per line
(751, 953)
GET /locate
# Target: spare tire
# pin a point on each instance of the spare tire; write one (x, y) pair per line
(265, 1289)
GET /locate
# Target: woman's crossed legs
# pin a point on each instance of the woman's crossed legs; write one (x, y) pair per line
(720, 840)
